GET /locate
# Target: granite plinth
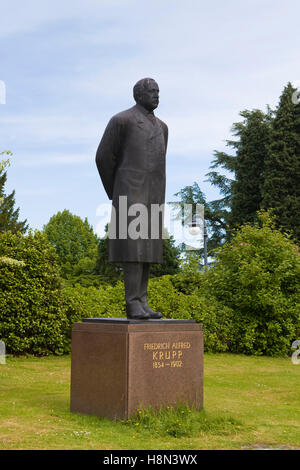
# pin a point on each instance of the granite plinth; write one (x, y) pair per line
(121, 365)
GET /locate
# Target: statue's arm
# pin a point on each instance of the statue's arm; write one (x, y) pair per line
(165, 130)
(166, 134)
(108, 153)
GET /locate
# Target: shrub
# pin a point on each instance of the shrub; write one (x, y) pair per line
(257, 276)
(31, 320)
(190, 276)
(108, 301)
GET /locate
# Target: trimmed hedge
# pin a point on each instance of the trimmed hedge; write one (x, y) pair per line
(31, 320)
(108, 301)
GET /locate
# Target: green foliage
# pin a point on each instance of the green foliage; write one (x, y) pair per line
(189, 278)
(242, 194)
(9, 216)
(5, 163)
(87, 302)
(257, 276)
(164, 295)
(86, 280)
(112, 272)
(31, 320)
(281, 189)
(216, 319)
(248, 302)
(3, 205)
(74, 241)
(251, 152)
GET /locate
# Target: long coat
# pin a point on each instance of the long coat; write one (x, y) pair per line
(131, 162)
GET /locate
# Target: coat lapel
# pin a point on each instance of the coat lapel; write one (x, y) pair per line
(143, 122)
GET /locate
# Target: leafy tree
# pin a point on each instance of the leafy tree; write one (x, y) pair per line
(74, 241)
(112, 272)
(8, 214)
(257, 276)
(281, 187)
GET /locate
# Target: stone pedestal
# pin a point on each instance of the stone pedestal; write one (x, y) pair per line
(120, 365)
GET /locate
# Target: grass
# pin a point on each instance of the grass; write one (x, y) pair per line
(248, 402)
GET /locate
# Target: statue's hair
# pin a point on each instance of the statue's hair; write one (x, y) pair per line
(140, 86)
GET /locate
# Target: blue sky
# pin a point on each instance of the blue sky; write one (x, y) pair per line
(68, 66)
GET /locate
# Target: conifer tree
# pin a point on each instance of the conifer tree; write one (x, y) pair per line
(8, 214)
(254, 138)
(243, 193)
(281, 189)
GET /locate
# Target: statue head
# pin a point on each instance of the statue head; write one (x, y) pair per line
(146, 93)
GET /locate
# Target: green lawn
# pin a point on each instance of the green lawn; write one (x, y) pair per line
(248, 401)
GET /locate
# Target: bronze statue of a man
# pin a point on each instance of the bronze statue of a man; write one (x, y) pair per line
(131, 163)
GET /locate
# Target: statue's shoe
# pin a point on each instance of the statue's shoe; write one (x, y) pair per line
(153, 315)
(136, 313)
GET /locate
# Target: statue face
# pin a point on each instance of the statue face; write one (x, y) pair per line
(149, 97)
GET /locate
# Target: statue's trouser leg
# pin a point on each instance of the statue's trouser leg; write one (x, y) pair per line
(144, 283)
(144, 289)
(136, 276)
(133, 276)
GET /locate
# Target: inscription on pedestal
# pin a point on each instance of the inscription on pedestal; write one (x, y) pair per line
(167, 354)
